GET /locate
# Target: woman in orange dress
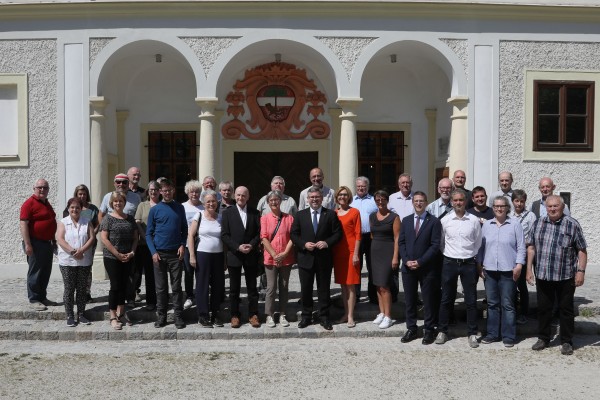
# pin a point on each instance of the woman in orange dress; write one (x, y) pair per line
(346, 263)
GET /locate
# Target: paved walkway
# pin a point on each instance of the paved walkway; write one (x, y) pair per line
(19, 321)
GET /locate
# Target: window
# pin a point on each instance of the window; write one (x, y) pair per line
(381, 158)
(13, 117)
(563, 116)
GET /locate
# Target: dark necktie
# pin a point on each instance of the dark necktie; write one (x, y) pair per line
(417, 226)
(315, 222)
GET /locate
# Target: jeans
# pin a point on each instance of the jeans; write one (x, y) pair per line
(40, 268)
(451, 271)
(210, 277)
(549, 293)
(500, 289)
(168, 266)
(143, 264)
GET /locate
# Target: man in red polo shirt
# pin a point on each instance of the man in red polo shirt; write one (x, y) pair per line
(38, 227)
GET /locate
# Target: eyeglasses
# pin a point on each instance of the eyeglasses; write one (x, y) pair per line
(121, 182)
(495, 206)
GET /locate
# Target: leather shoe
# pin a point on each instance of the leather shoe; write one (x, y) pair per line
(161, 322)
(254, 321)
(539, 345)
(409, 336)
(428, 337)
(179, 323)
(326, 324)
(235, 322)
(304, 322)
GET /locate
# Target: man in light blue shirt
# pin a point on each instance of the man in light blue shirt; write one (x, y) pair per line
(442, 205)
(365, 204)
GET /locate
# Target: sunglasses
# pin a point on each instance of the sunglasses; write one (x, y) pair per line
(121, 182)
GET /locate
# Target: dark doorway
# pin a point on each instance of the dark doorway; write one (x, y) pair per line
(172, 154)
(381, 158)
(256, 169)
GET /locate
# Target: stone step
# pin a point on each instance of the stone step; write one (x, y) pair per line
(101, 330)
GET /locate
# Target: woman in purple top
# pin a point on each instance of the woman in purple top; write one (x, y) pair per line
(500, 261)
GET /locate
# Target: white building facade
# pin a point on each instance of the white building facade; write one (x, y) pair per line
(244, 90)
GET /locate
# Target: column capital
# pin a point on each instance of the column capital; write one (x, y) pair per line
(98, 105)
(122, 115)
(207, 106)
(459, 105)
(349, 106)
(430, 113)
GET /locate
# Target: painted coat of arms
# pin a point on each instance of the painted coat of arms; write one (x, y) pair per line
(283, 103)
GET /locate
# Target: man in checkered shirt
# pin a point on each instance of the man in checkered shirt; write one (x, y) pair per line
(557, 243)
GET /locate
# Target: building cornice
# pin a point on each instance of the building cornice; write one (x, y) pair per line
(581, 11)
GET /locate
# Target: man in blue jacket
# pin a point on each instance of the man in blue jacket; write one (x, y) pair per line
(166, 234)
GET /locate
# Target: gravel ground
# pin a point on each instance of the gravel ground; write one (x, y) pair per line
(296, 368)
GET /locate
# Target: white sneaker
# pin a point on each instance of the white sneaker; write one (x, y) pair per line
(283, 321)
(379, 318)
(187, 304)
(270, 322)
(385, 323)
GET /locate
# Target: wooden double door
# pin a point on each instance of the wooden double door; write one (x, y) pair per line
(256, 169)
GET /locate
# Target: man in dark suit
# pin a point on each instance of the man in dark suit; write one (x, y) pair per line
(314, 232)
(420, 237)
(240, 231)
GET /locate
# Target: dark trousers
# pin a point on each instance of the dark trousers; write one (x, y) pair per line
(169, 266)
(563, 293)
(523, 308)
(75, 281)
(307, 277)
(451, 271)
(210, 278)
(143, 265)
(429, 279)
(188, 276)
(365, 250)
(235, 284)
(118, 274)
(40, 268)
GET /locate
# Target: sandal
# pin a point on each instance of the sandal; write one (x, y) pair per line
(124, 320)
(116, 325)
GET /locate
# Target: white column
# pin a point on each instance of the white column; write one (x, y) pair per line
(98, 170)
(206, 159)
(458, 151)
(348, 166)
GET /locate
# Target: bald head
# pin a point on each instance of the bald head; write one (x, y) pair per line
(459, 178)
(242, 194)
(546, 187)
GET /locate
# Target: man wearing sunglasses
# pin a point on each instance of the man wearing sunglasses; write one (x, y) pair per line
(122, 186)
(38, 226)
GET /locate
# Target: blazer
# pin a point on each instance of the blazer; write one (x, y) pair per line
(328, 230)
(423, 247)
(234, 234)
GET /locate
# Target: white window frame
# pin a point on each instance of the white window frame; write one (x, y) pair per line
(537, 75)
(22, 157)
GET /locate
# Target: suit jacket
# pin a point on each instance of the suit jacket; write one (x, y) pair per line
(328, 230)
(423, 247)
(234, 234)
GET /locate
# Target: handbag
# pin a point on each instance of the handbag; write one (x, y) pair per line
(261, 248)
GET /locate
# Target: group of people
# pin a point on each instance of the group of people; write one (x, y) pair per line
(462, 234)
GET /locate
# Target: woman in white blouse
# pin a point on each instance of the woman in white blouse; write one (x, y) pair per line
(75, 237)
(208, 260)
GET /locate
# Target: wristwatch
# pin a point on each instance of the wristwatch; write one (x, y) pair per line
(581, 270)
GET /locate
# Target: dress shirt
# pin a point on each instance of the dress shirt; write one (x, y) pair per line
(287, 205)
(526, 218)
(419, 217)
(437, 207)
(366, 206)
(401, 205)
(243, 214)
(557, 245)
(328, 198)
(502, 247)
(461, 237)
(312, 212)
